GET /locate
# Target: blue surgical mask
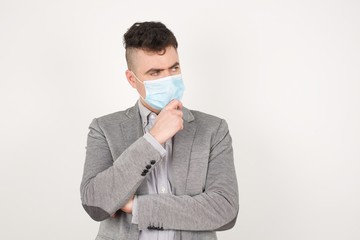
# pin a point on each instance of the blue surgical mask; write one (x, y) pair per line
(160, 92)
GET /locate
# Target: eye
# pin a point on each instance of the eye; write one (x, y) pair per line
(176, 68)
(154, 73)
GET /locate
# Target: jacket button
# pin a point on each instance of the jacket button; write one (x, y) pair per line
(145, 171)
(143, 174)
(152, 162)
(148, 166)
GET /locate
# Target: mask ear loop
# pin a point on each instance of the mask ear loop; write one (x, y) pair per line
(137, 78)
(141, 83)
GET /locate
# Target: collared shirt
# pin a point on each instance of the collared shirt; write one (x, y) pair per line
(157, 180)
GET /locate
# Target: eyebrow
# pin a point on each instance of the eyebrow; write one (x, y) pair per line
(161, 69)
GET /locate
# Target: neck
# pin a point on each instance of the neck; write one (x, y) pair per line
(149, 107)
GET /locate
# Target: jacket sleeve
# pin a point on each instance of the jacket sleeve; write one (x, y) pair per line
(215, 209)
(107, 184)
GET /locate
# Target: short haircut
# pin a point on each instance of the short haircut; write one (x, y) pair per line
(148, 36)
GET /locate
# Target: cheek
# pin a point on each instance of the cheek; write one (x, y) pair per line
(141, 90)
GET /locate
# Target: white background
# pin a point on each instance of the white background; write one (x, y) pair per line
(284, 74)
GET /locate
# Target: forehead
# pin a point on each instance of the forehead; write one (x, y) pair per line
(145, 60)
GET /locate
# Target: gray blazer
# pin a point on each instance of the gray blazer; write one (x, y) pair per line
(202, 177)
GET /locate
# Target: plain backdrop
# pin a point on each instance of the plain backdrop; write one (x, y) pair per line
(284, 74)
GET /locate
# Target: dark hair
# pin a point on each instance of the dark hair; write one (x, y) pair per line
(148, 36)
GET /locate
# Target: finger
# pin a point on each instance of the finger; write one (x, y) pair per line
(174, 104)
(180, 107)
(178, 112)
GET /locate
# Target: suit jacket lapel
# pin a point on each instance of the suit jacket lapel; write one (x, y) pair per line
(131, 128)
(182, 144)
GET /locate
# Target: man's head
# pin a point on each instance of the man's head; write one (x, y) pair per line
(147, 36)
(151, 53)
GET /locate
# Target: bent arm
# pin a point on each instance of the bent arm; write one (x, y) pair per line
(108, 184)
(213, 210)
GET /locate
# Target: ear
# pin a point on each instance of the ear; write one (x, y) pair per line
(130, 77)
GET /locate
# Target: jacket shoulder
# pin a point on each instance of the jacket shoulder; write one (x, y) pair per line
(202, 116)
(206, 120)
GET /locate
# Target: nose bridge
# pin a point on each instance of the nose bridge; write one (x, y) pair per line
(168, 73)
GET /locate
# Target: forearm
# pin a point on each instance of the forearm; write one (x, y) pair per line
(107, 191)
(203, 212)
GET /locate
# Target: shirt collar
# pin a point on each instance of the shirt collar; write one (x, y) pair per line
(144, 113)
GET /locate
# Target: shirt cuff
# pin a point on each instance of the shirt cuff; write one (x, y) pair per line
(134, 219)
(155, 144)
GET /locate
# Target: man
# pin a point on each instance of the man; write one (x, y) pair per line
(158, 170)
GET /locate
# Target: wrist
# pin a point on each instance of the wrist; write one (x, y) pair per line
(156, 137)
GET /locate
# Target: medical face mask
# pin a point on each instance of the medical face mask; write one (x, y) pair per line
(160, 92)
